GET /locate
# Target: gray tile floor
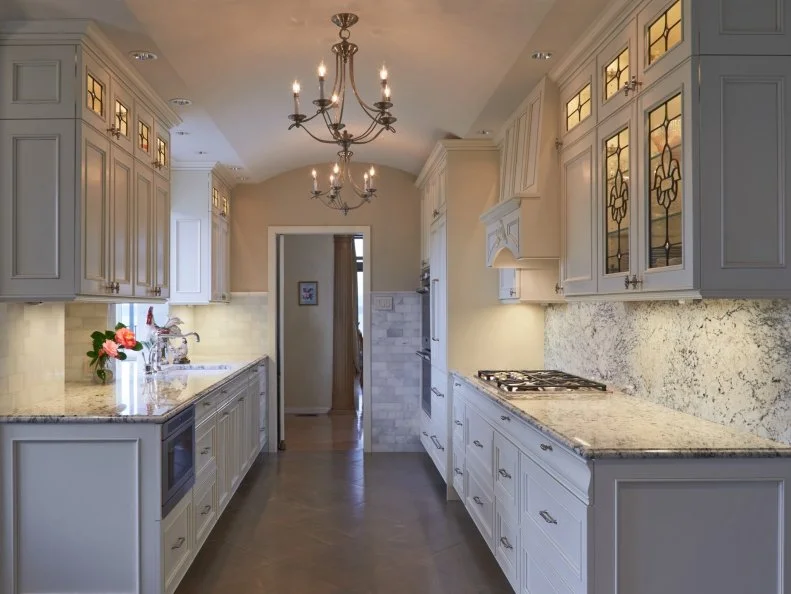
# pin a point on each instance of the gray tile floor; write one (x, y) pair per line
(344, 523)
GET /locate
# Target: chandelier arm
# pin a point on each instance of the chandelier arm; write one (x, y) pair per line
(368, 109)
(374, 137)
(314, 137)
(338, 71)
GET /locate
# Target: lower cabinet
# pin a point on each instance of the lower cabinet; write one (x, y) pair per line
(226, 444)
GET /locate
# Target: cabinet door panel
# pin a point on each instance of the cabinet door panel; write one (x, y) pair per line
(667, 178)
(579, 104)
(95, 83)
(664, 33)
(95, 218)
(615, 66)
(744, 243)
(578, 208)
(744, 27)
(216, 257)
(37, 186)
(36, 82)
(161, 154)
(144, 134)
(162, 238)
(617, 218)
(122, 220)
(144, 230)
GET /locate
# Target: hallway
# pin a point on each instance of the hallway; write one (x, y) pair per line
(344, 523)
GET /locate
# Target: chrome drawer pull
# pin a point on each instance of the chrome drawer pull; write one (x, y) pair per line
(547, 518)
(205, 510)
(504, 473)
(505, 542)
(546, 447)
(205, 451)
(505, 418)
(478, 443)
(425, 434)
(208, 404)
(458, 422)
(477, 500)
(458, 471)
(457, 384)
(438, 393)
(179, 543)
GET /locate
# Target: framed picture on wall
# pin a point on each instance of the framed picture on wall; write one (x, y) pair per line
(308, 292)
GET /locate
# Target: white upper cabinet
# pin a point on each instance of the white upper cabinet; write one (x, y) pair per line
(200, 231)
(578, 109)
(523, 229)
(81, 216)
(674, 158)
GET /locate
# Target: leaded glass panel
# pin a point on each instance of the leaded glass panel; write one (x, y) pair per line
(162, 152)
(664, 33)
(121, 118)
(95, 96)
(143, 136)
(215, 198)
(578, 107)
(616, 74)
(665, 188)
(618, 202)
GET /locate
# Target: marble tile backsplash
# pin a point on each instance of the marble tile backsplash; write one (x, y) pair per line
(31, 345)
(81, 320)
(235, 329)
(395, 374)
(722, 360)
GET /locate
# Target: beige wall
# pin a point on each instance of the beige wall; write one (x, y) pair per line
(308, 329)
(394, 218)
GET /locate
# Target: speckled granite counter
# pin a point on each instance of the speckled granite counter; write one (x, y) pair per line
(613, 425)
(132, 398)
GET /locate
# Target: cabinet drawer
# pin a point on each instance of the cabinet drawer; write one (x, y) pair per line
(480, 438)
(506, 543)
(506, 474)
(438, 448)
(480, 504)
(563, 464)
(439, 399)
(554, 522)
(457, 472)
(425, 427)
(540, 578)
(177, 542)
(205, 447)
(206, 406)
(205, 507)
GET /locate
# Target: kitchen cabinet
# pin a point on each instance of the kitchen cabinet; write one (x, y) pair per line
(556, 521)
(200, 228)
(533, 285)
(438, 295)
(700, 128)
(79, 171)
(578, 210)
(433, 203)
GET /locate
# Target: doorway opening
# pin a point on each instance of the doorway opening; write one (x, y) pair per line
(320, 370)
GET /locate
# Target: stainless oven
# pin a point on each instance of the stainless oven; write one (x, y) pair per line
(178, 458)
(425, 348)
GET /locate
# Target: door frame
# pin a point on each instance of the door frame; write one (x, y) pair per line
(275, 312)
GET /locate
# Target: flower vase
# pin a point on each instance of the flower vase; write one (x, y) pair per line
(104, 372)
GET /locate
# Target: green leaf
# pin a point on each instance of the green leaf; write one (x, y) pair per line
(119, 325)
(137, 347)
(102, 374)
(109, 335)
(91, 354)
(121, 356)
(97, 336)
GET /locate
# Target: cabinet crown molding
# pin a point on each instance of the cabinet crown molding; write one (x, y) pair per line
(87, 33)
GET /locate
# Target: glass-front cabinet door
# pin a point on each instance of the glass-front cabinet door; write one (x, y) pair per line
(664, 38)
(617, 205)
(666, 182)
(616, 64)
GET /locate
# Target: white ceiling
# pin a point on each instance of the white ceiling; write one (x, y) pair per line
(455, 68)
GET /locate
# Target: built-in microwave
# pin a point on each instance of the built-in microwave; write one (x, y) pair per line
(178, 458)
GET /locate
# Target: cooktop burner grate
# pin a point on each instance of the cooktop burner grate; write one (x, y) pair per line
(541, 380)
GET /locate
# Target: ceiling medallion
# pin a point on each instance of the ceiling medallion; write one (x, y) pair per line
(331, 110)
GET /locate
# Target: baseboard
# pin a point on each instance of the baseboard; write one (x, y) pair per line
(316, 410)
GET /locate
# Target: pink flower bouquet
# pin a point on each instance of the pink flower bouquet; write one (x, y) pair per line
(110, 344)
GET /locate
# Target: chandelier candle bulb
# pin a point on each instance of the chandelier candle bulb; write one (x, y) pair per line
(296, 88)
(315, 181)
(366, 185)
(322, 74)
(387, 92)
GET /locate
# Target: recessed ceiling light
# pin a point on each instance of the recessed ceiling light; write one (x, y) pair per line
(485, 132)
(142, 55)
(202, 152)
(539, 55)
(235, 168)
(182, 133)
(181, 101)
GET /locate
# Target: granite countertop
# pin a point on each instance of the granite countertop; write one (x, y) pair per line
(132, 397)
(614, 425)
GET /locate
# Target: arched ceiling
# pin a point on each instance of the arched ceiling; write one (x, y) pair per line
(456, 66)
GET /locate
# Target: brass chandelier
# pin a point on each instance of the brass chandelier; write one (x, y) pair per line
(330, 110)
